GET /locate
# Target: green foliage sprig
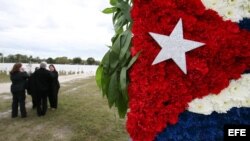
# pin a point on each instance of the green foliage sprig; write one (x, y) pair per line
(111, 75)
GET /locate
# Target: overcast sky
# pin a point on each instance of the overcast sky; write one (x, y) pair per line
(52, 28)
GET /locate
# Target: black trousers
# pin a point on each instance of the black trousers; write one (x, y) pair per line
(42, 105)
(34, 100)
(18, 99)
(53, 98)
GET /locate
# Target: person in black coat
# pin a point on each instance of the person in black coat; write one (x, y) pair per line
(18, 78)
(32, 89)
(42, 82)
(53, 95)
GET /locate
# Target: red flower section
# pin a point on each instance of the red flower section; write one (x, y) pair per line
(159, 93)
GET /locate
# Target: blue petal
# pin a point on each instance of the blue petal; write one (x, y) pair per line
(245, 24)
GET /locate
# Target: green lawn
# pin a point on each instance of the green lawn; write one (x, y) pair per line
(4, 77)
(82, 115)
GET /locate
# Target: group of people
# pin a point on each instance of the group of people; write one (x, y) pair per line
(42, 84)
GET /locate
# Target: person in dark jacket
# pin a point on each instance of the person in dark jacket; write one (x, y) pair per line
(18, 78)
(42, 81)
(32, 89)
(53, 95)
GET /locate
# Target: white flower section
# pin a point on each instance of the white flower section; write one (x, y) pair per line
(234, 10)
(237, 94)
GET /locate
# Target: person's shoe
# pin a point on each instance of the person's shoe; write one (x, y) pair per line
(24, 116)
(43, 113)
(39, 114)
(13, 116)
(53, 109)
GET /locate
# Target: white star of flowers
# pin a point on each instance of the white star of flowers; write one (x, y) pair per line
(174, 47)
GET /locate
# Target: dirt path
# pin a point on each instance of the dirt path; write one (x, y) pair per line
(5, 87)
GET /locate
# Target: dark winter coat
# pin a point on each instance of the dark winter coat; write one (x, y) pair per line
(19, 80)
(55, 82)
(31, 85)
(42, 80)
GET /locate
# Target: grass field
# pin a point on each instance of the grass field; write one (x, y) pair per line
(4, 77)
(82, 115)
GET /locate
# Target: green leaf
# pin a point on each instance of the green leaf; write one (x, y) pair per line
(105, 83)
(122, 106)
(127, 14)
(126, 59)
(113, 89)
(114, 38)
(108, 46)
(123, 83)
(121, 21)
(116, 15)
(125, 43)
(113, 2)
(119, 31)
(125, 8)
(116, 47)
(109, 10)
(114, 61)
(105, 73)
(98, 76)
(105, 63)
(132, 61)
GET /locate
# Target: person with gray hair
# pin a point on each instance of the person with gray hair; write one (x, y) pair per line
(43, 65)
(43, 82)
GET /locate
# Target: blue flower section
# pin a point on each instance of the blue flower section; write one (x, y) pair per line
(247, 71)
(245, 24)
(198, 127)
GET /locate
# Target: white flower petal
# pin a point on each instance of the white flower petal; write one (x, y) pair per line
(237, 94)
(234, 10)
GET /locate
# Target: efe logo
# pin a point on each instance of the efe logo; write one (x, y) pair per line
(241, 132)
(237, 132)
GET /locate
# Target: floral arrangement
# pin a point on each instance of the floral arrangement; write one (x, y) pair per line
(160, 94)
(164, 103)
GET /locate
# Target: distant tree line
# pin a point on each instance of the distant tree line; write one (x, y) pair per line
(58, 60)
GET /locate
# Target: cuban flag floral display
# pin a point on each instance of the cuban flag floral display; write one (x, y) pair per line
(188, 81)
(189, 96)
